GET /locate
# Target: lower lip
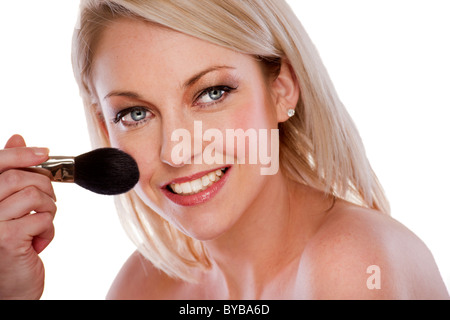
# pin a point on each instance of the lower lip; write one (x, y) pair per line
(198, 198)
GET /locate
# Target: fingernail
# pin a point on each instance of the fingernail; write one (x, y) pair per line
(40, 152)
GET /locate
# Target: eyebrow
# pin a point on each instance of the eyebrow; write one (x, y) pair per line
(119, 93)
(199, 75)
(188, 83)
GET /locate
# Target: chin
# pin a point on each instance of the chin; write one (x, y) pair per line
(206, 225)
(204, 234)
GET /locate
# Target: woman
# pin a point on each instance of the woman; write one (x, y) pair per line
(317, 228)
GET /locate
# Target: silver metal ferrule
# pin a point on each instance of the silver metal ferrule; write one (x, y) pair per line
(60, 169)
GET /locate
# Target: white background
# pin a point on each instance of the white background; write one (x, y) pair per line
(389, 60)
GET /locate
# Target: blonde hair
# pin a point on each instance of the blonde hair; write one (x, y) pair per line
(319, 146)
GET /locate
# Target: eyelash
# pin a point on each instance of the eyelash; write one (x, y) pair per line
(226, 90)
(123, 113)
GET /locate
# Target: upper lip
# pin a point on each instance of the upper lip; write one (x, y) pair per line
(191, 177)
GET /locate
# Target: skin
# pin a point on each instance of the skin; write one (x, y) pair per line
(23, 235)
(268, 237)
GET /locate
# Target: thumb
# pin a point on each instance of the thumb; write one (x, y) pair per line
(16, 141)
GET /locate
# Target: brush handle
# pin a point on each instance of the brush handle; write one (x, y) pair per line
(59, 169)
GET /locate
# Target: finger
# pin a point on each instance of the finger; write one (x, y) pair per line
(24, 202)
(22, 157)
(13, 181)
(15, 141)
(36, 228)
(41, 225)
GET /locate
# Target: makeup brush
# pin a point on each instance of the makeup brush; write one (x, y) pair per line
(107, 171)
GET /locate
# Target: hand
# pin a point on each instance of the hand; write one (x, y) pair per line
(27, 209)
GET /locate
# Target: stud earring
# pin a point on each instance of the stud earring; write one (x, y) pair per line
(291, 113)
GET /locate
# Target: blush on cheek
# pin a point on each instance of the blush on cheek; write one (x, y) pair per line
(242, 137)
(144, 153)
(233, 146)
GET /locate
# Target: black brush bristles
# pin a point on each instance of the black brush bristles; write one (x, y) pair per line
(106, 171)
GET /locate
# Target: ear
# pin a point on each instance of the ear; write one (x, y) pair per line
(286, 91)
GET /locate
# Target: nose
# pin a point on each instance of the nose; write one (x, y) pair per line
(181, 142)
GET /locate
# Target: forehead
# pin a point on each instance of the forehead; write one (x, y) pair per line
(130, 49)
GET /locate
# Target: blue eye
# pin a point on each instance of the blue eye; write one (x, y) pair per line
(213, 94)
(138, 115)
(133, 116)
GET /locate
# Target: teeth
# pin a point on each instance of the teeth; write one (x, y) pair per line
(186, 187)
(212, 176)
(195, 186)
(205, 182)
(177, 188)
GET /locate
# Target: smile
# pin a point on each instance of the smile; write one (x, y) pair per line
(198, 185)
(196, 189)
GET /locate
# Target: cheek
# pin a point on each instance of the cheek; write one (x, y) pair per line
(142, 148)
(241, 129)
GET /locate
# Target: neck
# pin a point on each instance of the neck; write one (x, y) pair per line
(268, 238)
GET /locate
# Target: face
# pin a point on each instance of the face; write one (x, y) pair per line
(151, 82)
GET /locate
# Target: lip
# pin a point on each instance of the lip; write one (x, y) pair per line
(191, 177)
(202, 196)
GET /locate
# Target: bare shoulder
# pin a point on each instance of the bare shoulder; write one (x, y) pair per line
(360, 253)
(139, 279)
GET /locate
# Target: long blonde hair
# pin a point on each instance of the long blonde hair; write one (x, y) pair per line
(319, 146)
